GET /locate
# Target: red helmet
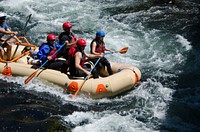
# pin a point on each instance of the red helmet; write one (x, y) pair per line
(67, 25)
(81, 42)
(51, 37)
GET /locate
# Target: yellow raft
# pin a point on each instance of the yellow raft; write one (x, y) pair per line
(123, 79)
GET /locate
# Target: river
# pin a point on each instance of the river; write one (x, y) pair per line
(163, 43)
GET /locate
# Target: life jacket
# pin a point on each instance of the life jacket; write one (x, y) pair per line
(83, 59)
(71, 54)
(70, 37)
(55, 47)
(71, 60)
(62, 38)
(100, 46)
(52, 52)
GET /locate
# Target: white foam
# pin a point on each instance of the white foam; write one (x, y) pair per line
(105, 121)
(183, 41)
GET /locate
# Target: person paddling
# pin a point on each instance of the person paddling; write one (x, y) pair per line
(77, 59)
(4, 30)
(97, 47)
(67, 37)
(46, 50)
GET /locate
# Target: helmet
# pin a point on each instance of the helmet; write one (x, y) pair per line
(67, 25)
(81, 42)
(2, 16)
(51, 37)
(100, 34)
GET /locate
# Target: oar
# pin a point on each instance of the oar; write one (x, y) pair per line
(35, 72)
(6, 45)
(8, 39)
(74, 95)
(22, 34)
(27, 20)
(122, 51)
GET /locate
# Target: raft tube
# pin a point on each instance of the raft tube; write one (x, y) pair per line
(123, 79)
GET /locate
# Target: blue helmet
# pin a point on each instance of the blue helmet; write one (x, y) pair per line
(100, 34)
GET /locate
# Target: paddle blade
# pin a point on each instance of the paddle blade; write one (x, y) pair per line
(31, 76)
(74, 95)
(87, 77)
(123, 51)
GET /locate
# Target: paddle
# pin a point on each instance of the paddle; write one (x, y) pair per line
(35, 72)
(8, 39)
(74, 95)
(24, 29)
(22, 34)
(1, 58)
(122, 51)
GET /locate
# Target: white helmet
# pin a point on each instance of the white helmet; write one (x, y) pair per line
(2, 15)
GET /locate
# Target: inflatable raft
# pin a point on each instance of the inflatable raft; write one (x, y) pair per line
(123, 79)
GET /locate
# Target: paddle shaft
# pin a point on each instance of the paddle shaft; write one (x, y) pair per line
(35, 72)
(27, 20)
(52, 55)
(122, 51)
(8, 38)
(24, 33)
(86, 77)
